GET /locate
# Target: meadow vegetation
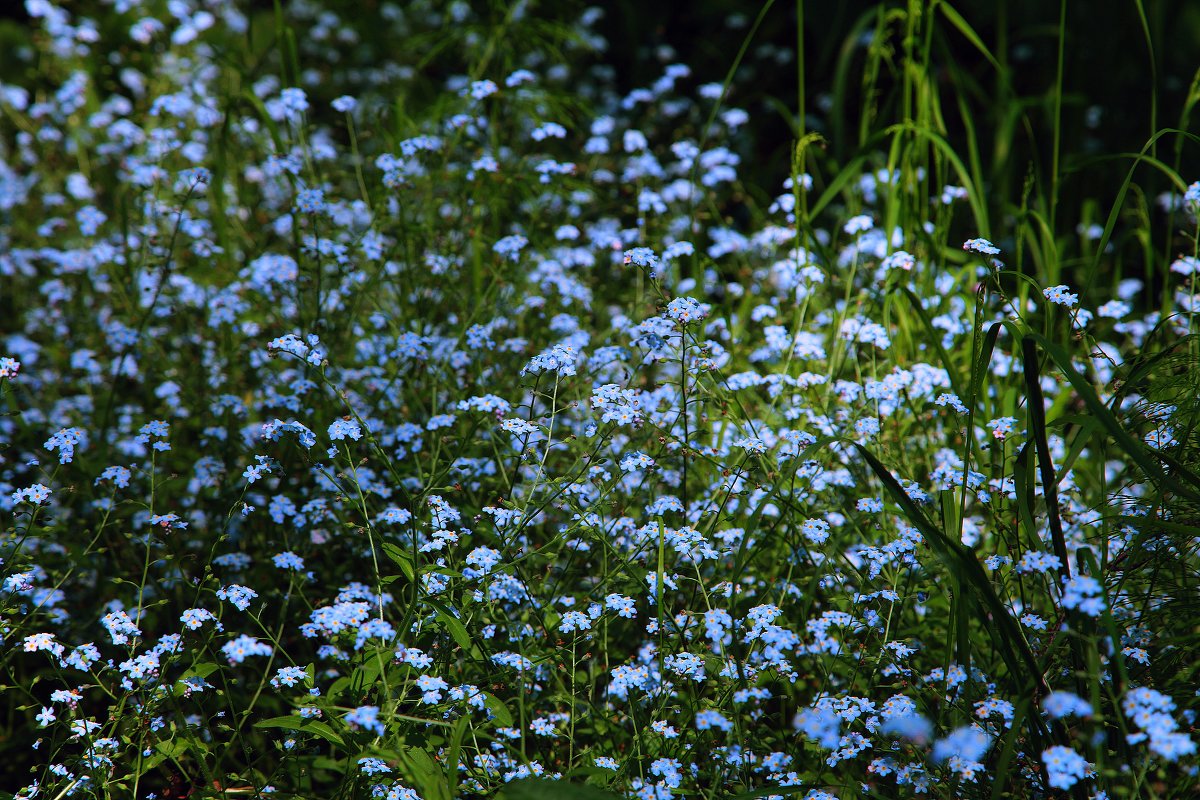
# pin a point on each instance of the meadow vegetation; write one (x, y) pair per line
(394, 403)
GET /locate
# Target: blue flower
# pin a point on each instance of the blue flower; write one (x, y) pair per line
(478, 90)
(510, 246)
(911, 726)
(981, 246)
(241, 648)
(345, 427)
(624, 606)
(968, 743)
(394, 516)
(820, 725)
(573, 621)
(1084, 594)
(642, 257)
(685, 310)
(194, 618)
(288, 560)
(542, 727)
(288, 676)
(706, 720)
(1064, 767)
(1061, 295)
(1066, 704)
(311, 201)
(294, 100)
(240, 596)
(858, 224)
(36, 494)
(373, 766)
(365, 717)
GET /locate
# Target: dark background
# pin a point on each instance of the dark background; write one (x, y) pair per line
(1108, 60)
(1128, 69)
(1108, 64)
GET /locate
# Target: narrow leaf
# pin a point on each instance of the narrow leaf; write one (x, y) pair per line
(313, 726)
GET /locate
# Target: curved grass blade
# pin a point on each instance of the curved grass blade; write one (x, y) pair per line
(1131, 447)
(1037, 428)
(974, 199)
(969, 573)
(1119, 202)
(1023, 483)
(936, 340)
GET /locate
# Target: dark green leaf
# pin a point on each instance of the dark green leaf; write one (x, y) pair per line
(503, 717)
(400, 558)
(313, 726)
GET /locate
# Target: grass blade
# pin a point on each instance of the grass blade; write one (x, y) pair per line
(1131, 447)
(963, 564)
(1037, 430)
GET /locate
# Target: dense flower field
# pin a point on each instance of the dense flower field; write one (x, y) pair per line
(438, 420)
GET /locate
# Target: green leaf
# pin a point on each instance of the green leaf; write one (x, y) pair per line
(1037, 427)
(1087, 428)
(400, 558)
(980, 367)
(202, 670)
(460, 728)
(1023, 484)
(453, 625)
(171, 748)
(1003, 773)
(974, 198)
(967, 31)
(968, 572)
(851, 171)
(421, 769)
(1119, 202)
(503, 717)
(147, 765)
(313, 726)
